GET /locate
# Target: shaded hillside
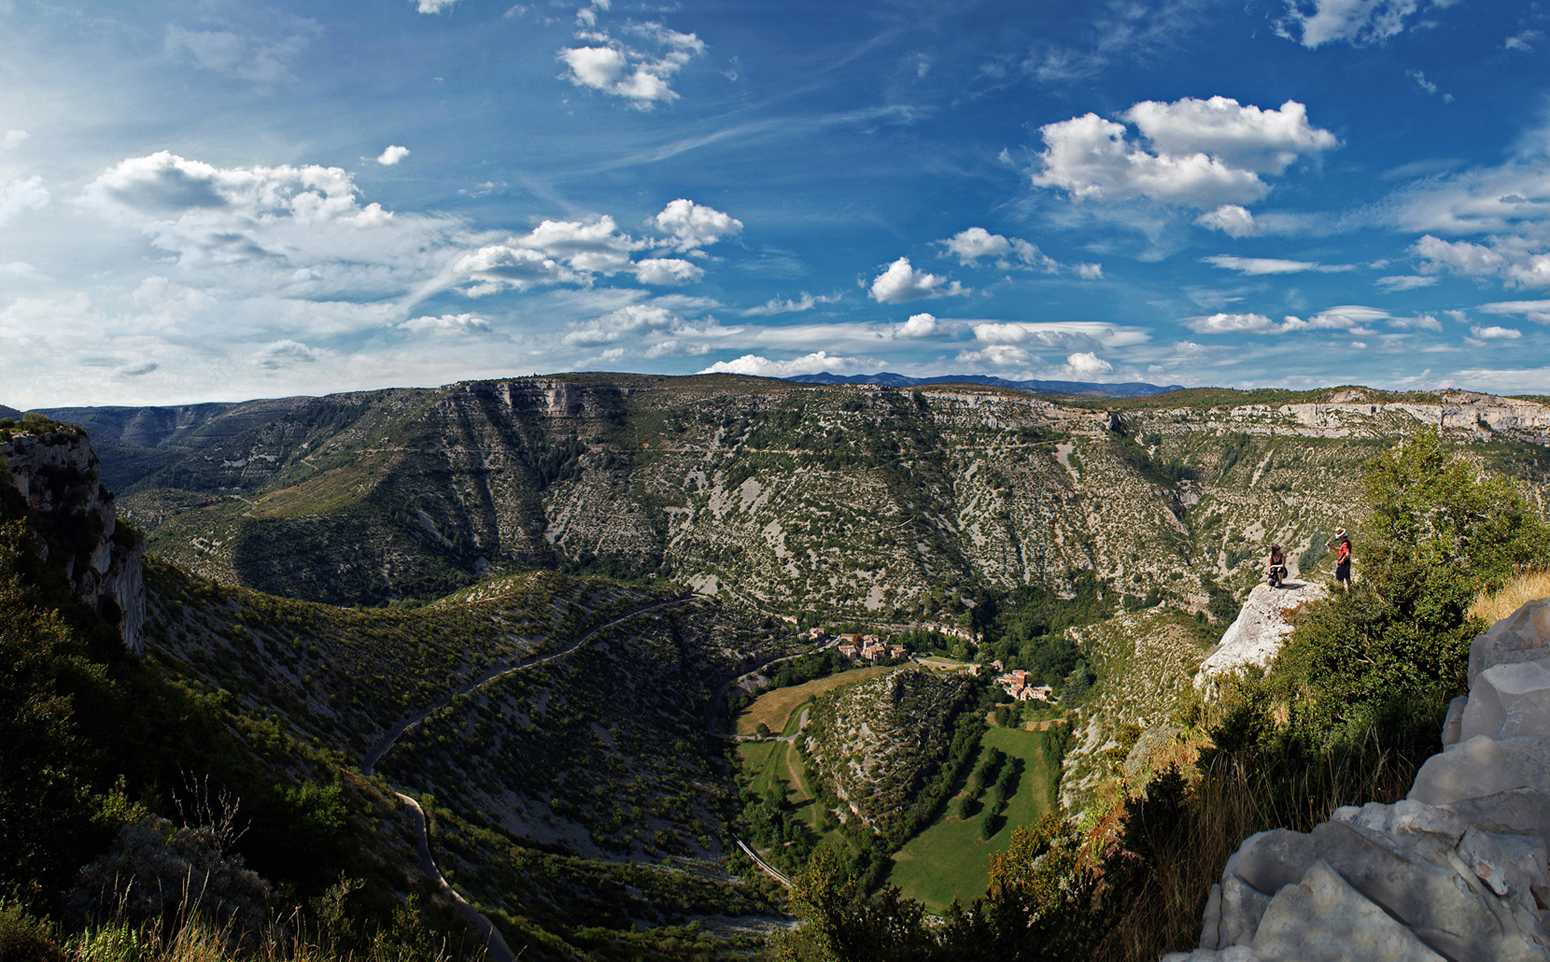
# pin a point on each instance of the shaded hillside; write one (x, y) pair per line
(569, 800)
(858, 502)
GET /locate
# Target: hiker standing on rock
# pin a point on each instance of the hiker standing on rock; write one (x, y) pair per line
(1277, 566)
(1342, 559)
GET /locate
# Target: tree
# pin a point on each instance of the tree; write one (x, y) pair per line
(1386, 657)
(840, 924)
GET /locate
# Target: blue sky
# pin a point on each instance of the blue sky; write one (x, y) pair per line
(222, 200)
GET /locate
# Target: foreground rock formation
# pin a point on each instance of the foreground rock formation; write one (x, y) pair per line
(1458, 871)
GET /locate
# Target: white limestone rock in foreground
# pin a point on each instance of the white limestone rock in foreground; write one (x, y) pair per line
(1522, 636)
(1259, 631)
(1458, 871)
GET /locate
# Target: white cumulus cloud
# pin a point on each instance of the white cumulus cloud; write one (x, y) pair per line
(667, 271)
(433, 6)
(817, 362)
(1240, 136)
(1520, 261)
(1000, 356)
(693, 226)
(976, 242)
(900, 283)
(614, 67)
(13, 139)
(1358, 22)
(1494, 333)
(1233, 324)
(447, 325)
(633, 321)
(392, 155)
(1088, 364)
(20, 195)
(919, 325)
(1231, 219)
(1207, 154)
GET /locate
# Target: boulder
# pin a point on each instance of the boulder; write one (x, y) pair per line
(1235, 953)
(1322, 919)
(1514, 866)
(1508, 700)
(1459, 870)
(1243, 906)
(1477, 767)
(1259, 631)
(1522, 636)
(1453, 724)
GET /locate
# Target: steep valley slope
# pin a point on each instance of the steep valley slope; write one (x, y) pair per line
(844, 502)
(573, 799)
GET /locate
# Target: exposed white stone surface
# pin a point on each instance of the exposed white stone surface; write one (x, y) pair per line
(1458, 871)
(1260, 630)
(58, 474)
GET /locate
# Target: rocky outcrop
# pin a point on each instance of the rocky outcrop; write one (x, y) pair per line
(1459, 870)
(58, 478)
(1260, 630)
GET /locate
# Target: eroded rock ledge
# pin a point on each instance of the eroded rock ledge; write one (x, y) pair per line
(57, 477)
(1457, 871)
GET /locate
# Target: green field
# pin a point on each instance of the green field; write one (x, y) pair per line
(777, 708)
(949, 860)
(776, 763)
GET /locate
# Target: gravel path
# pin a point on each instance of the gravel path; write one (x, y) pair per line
(494, 942)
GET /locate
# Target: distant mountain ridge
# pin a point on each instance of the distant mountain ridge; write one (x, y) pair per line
(1127, 389)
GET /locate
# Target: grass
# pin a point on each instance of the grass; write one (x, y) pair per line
(776, 708)
(330, 490)
(193, 938)
(949, 860)
(1526, 587)
(773, 763)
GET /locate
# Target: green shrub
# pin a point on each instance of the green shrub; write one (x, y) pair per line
(25, 938)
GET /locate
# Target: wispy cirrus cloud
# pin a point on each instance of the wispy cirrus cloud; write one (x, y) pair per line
(1349, 319)
(804, 302)
(1254, 266)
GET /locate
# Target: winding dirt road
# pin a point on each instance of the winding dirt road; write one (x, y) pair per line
(494, 942)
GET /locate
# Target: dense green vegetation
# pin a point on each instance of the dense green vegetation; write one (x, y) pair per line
(1027, 629)
(95, 744)
(1348, 712)
(1372, 670)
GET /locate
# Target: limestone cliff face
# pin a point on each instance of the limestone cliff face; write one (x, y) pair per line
(866, 502)
(57, 476)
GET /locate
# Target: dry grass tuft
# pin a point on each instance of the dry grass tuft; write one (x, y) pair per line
(1526, 587)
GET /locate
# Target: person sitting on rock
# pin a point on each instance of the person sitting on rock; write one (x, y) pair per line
(1277, 566)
